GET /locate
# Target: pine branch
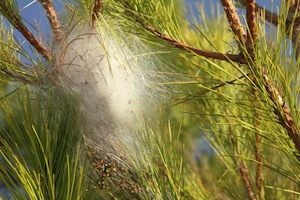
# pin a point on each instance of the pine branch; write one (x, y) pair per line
(246, 179)
(96, 12)
(251, 23)
(238, 58)
(293, 21)
(258, 144)
(268, 15)
(283, 113)
(250, 41)
(242, 168)
(258, 158)
(285, 119)
(250, 45)
(234, 20)
(53, 20)
(9, 10)
(207, 54)
(38, 45)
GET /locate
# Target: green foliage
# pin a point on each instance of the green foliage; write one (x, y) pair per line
(43, 152)
(9, 9)
(41, 145)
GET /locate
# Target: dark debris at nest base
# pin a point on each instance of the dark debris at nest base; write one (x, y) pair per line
(113, 173)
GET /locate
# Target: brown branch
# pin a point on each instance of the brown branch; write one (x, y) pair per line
(238, 58)
(284, 114)
(233, 20)
(96, 12)
(268, 15)
(258, 143)
(251, 22)
(53, 20)
(293, 21)
(246, 179)
(295, 36)
(258, 157)
(250, 45)
(38, 45)
(242, 168)
(293, 8)
(258, 146)
(16, 21)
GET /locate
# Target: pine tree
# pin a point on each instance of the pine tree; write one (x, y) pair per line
(111, 104)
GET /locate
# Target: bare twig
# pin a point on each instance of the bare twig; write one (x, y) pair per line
(96, 12)
(233, 20)
(53, 20)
